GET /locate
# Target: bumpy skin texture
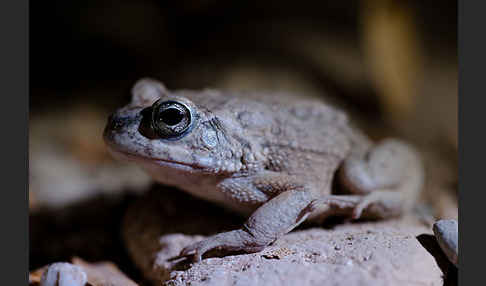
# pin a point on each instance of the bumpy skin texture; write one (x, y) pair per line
(272, 157)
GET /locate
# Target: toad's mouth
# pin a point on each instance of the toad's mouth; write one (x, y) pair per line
(124, 155)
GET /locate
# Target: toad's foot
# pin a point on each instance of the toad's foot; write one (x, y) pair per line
(377, 203)
(236, 240)
(384, 203)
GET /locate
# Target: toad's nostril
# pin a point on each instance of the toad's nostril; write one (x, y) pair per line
(116, 122)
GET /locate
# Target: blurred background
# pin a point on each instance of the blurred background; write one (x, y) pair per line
(391, 64)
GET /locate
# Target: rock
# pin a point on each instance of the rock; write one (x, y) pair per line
(36, 275)
(63, 274)
(103, 273)
(158, 226)
(79, 273)
(447, 234)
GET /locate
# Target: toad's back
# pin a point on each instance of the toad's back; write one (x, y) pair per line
(294, 135)
(277, 119)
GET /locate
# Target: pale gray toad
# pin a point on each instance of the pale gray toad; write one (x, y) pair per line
(271, 157)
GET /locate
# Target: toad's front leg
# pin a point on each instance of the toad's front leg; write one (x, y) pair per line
(270, 221)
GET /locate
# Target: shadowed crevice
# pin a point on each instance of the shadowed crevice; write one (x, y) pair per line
(449, 270)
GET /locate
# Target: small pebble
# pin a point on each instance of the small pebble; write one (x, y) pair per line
(63, 274)
(447, 234)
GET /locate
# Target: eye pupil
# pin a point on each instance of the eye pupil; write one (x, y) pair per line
(171, 116)
(170, 119)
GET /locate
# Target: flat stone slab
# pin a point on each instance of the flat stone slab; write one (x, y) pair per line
(163, 222)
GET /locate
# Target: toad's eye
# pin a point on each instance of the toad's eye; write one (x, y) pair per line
(170, 118)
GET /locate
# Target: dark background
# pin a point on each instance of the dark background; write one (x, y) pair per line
(84, 45)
